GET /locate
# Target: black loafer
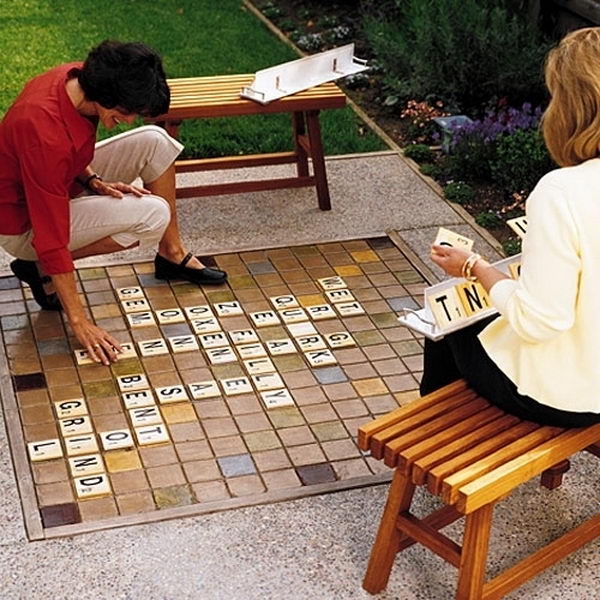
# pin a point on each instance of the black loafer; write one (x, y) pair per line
(165, 269)
(27, 271)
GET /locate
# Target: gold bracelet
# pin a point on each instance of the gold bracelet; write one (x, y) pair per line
(468, 265)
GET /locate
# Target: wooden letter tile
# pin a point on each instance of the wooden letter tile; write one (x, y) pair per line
(277, 398)
(265, 318)
(138, 399)
(141, 319)
(228, 309)
(83, 357)
(130, 293)
(243, 336)
(152, 434)
(321, 311)
(90, 464)
(349, 309)
(310, 342)
(183, 343)
(153, 347)
(256, 350)
(283, 301)
(81, 444)
(45, 450)
(518, 225)
(171, 393)
(282, 346)
(199, 312)
(321, 358)
(339, 339)
(257, 366)
(70, 408)
(127, 351)
(219, 356)
(236, 385)
(75, 425)
(135, 306)
(473, 297)
(268, 381)
(446, 307)
(445, 237)
(332, 283)
(131, 383)
(204, 389)
(336, 296)
(170, 315)
(293, 315)
(213, 340)
(148, 415)
(300, 329)
(514, 269)
(205, 325)
(113, 440)
(92, 486)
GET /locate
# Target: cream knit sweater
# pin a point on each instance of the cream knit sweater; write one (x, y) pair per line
(547, 339)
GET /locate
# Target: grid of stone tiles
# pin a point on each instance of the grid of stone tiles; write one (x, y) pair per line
(221, 447)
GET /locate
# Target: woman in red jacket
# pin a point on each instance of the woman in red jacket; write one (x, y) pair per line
(64, 197)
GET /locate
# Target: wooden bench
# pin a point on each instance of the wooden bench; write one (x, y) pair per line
(209, 97)
(470, 454)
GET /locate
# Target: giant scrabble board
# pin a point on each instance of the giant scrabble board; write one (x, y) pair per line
(247, 393)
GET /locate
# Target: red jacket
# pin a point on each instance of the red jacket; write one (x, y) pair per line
(44, 144)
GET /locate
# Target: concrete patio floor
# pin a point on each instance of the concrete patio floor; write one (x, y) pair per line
(315, 547)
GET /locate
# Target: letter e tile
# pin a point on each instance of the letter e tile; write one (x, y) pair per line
(332, 283)
(236, 385)
(138, 399)
(336, 296)
(265, 318)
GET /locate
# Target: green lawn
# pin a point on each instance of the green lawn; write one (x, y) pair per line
(195, 37)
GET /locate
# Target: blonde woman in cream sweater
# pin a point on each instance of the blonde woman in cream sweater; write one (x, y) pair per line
(540, 358)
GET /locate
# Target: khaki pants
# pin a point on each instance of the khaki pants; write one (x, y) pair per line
(146, 153)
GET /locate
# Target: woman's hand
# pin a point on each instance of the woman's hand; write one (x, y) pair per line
(101, 346)
(449, 259)
(115, 189)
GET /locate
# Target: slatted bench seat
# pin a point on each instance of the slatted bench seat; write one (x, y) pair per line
(209, 97)
(470, 454)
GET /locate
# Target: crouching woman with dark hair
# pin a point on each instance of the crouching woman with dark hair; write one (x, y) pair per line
(64, 197)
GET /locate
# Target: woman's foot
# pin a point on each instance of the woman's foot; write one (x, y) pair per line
(188, 268)
(27, 271)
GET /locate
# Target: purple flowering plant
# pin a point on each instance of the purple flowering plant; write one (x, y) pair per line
(473, 146)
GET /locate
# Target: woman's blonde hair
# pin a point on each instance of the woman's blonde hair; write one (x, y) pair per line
(571, 123)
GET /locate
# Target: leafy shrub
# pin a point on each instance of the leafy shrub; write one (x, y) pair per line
(310, 42)
(271, 11)
(488, 219)
(474, 146)
(459, 192)
(521, 160)
(512, 246)
(466, 51)
(431, 170)
(419, 153)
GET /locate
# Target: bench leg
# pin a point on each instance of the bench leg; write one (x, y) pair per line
(473, 559)
(299, 127)
(316, 146)
(552, 477)
(388, 537)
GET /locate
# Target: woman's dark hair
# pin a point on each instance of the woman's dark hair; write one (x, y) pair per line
(129, 76)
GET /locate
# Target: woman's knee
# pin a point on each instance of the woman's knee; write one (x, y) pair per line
(155, 215)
